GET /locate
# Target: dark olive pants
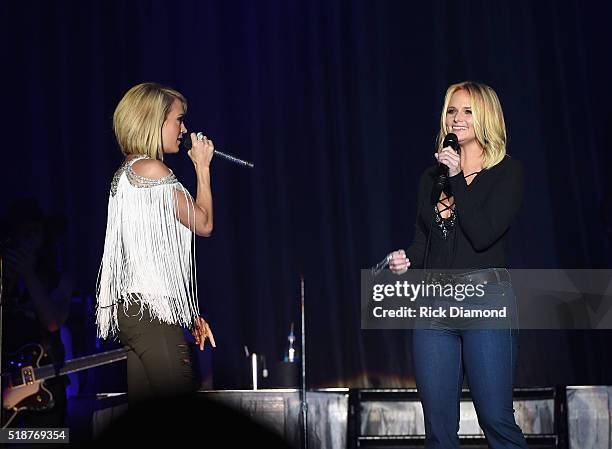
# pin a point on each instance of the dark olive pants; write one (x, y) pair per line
(159, 362)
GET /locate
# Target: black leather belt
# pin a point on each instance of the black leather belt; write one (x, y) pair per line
(487, 276)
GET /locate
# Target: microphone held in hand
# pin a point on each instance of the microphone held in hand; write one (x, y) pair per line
(186, 143)
(452, 141)
(376, 269)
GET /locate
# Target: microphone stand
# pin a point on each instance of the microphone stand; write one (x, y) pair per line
(1, 335)
(303, 403)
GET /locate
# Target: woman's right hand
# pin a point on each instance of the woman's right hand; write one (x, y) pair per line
(201, 331)
(202, 151)
(399, 263)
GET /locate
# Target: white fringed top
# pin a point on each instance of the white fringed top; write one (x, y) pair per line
(147, 251)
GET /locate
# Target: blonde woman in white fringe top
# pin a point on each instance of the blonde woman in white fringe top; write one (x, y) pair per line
(146, 290)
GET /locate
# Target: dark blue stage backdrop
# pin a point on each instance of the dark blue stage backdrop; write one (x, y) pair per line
(337, 103)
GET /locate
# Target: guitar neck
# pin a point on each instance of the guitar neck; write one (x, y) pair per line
(79, 364)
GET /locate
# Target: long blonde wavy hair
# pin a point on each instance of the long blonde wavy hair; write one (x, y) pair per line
(488, 119)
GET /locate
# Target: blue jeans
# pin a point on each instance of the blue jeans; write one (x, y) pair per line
(442, 355)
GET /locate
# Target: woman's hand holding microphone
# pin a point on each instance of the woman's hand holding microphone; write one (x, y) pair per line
(451, 159)
(202, 151)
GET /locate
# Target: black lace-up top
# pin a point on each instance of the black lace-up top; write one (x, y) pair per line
(474, 234)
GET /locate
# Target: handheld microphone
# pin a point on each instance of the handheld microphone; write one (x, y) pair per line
(186, 143)
(452, 141)
(376, 269)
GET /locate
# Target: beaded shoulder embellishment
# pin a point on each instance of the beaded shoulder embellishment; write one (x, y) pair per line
(141, 182)
(116, 177)
(137, 180)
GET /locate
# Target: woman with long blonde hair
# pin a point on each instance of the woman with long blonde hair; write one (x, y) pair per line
(463, 218)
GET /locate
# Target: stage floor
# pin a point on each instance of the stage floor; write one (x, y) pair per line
(380, 416)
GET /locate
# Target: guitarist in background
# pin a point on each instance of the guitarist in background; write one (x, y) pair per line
(36, 299)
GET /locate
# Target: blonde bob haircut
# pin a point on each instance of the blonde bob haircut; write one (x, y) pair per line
(139, 118)
(488, 119)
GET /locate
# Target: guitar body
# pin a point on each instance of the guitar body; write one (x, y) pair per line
(23, 380)
(21, 391)
(33, 397)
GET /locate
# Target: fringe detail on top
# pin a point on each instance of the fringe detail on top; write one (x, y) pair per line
(149, 255)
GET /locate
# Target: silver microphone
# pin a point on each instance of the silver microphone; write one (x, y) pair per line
(186, 142)
(376, 269)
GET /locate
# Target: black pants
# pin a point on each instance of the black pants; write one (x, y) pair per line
(159, 362)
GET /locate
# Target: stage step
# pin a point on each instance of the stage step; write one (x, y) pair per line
(394, 418)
